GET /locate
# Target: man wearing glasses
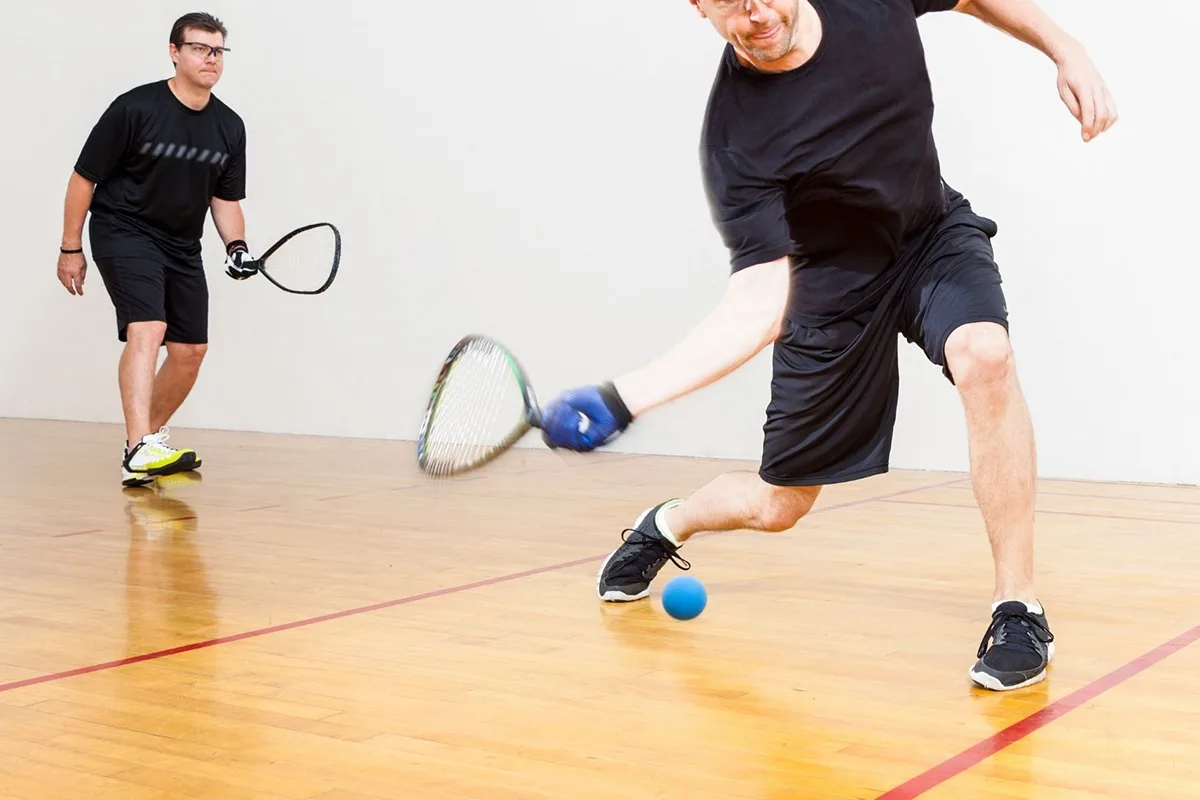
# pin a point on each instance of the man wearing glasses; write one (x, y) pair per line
(825, 183)
(158, 160)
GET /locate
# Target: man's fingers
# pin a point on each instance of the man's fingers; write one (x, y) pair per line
(1106, 113)
(1068, 97)
(1086, 95)
(72, 281)
(1102, 113)
(1104, 119)
(1110, 108)
(1087, 109)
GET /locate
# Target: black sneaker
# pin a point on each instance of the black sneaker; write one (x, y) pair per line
(1022, 647)
(628, 570)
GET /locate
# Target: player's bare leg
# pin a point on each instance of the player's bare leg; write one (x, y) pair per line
(175, 380)
(136, 375)
(1018, 644)
(1002, 451)
(146, 453)
(738, 501)
(733, 501)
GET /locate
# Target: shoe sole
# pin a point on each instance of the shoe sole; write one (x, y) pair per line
(616, 595)
(989, 681)
(184, 464)
(134, 482)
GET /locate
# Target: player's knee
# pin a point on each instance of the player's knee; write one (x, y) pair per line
(190, 354)
(145, 334)
(978, 354)
(779, 508)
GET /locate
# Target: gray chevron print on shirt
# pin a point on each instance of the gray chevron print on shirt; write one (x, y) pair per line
(166, 150)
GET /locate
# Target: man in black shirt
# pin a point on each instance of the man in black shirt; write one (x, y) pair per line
(823, 178)
(161, 157)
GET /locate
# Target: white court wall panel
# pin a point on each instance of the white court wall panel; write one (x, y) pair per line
(531, 172)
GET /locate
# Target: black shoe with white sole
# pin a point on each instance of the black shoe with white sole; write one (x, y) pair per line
(627, 572)
(1021, 648)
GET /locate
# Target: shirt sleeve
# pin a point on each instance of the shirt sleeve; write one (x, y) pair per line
(749, 212)
(231, 185)
(106, 144)
(926, 6)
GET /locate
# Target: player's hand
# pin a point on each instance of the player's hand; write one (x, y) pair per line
(585, 418)
(1085, 94)
(72, 270)
(238, 263)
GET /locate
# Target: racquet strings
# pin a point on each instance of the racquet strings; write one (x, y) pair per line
(305, 261)
(479, 411)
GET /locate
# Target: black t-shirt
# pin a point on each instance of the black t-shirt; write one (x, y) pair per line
(157, 164)
(832, 163)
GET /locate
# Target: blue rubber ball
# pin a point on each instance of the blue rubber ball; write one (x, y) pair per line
(684, 597)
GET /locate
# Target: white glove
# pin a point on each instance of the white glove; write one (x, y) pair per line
(238, 263)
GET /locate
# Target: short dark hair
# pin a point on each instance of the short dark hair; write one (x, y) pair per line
(200, 21)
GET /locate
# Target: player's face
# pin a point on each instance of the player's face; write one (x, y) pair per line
(762, 30)
(195, 61)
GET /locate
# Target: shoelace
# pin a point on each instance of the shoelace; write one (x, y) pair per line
(654, 552)
(1018, 630)
(154, 446)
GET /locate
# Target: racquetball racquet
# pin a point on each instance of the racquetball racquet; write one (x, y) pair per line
(305, 261)
(482, 403)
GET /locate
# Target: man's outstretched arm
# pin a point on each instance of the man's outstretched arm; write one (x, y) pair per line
(746, 320)
(1079, 83)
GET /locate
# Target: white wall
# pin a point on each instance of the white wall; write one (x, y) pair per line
(531, 173)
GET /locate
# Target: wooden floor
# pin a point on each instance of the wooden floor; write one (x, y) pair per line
(309, 618)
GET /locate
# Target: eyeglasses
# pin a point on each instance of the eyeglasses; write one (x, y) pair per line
(729, 6)
(202, 50)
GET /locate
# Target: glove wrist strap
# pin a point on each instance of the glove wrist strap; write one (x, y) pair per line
(236, 244)
(616, 405)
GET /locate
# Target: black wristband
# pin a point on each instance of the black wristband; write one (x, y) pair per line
(616, 405)
(236, 244)
(69, 252)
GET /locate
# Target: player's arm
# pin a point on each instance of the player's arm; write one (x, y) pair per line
(748, 206)
(231, 226)
(226, 209)
(72, 266)
(746, 320)
(98, 160)
(1079, 83)
(230, 221)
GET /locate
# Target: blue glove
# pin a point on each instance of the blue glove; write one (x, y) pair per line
(583, 419)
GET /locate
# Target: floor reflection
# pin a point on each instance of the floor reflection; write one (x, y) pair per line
(763, 738)
(169, 600)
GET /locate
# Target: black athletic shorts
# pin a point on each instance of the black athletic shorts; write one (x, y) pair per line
(163, 289)
(836, 380)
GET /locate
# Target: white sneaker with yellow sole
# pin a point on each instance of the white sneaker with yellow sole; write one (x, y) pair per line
(152, 457)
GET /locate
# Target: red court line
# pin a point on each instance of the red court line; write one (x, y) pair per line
(186, 648)
(1056, 513)
(1123, 498)
(77, 533)
(1039, 719)
(890, 495)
